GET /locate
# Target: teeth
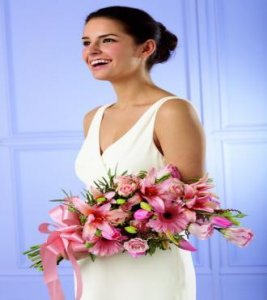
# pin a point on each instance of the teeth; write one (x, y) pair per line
(98, 61)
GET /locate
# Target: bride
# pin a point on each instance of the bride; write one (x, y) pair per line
(146, 126)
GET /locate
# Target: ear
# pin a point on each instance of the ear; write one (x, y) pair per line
(148, 48)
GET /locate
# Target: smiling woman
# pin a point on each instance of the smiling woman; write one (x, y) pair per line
(145, 127)
(105, 39)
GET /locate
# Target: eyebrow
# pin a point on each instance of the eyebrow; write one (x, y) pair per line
(101, 36)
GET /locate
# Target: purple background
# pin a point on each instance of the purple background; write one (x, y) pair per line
(45, 89)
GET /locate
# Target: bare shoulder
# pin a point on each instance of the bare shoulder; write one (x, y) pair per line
(88, 119)
(176, 108)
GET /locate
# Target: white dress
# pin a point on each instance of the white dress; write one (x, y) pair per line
(166, 275)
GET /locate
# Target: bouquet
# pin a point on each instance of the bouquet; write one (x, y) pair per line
(135, 214)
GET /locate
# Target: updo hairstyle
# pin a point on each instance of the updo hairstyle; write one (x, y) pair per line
(141, 26)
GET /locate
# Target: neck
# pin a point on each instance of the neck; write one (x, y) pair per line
(133, 90)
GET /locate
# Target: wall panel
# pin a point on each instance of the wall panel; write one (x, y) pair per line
(45, 89)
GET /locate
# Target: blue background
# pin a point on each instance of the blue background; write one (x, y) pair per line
(45, 90)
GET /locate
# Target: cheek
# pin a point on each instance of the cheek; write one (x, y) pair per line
(84, 54)
(116, 50)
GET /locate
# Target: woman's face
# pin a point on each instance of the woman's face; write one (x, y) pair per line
(109, 52)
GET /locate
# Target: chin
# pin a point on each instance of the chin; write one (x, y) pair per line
(102, 78)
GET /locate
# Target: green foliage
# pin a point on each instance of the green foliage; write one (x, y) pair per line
(163, 178)
(142, 174)
(88, 245)
(83, 219)
(89, 198)
(156, 243)
(93, 257)
(34, 255)
(232, 215)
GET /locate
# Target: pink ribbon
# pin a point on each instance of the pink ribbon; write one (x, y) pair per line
(64, 241)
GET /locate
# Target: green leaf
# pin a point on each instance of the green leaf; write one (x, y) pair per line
(142, 174)
(89, 245)
(57, 200)
(163, 178)
(130, 229)
(101, 199)
(83, 219)
(145, 206)
(97, 185)
(98, 233)
(120, 201)
(240, 215)
(123, 173)
(93, 257)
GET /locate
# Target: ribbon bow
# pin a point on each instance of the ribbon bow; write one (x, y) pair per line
(64, 241)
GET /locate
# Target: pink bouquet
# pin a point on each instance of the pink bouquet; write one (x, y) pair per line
(135, 214)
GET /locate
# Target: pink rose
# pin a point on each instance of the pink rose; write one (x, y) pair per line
(136, 247)
(126, 185)
(177, 187)
(238, 236)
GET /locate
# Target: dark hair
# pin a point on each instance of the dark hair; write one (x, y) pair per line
(141, 26)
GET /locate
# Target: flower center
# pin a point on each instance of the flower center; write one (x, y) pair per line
(151, 191)
(167, 215)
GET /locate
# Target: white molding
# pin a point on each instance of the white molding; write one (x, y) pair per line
(192, 54)
(5, 120)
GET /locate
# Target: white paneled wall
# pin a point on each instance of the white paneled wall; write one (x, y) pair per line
(45, 90)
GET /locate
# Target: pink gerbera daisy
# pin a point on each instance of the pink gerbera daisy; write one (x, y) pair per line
(172, 219)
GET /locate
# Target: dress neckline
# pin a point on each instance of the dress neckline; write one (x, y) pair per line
(104, 107)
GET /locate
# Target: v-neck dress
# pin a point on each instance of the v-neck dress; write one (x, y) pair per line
(167, 274)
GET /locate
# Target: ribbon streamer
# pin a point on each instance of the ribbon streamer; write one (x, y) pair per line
(64, 241)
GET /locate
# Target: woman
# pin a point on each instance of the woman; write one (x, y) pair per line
(146, 127)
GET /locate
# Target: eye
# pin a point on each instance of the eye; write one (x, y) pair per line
(108, 40)
(86, 43)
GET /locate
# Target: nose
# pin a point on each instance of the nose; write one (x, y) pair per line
(93, 48)
(90, 51)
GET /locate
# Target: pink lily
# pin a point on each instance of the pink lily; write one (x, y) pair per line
(199, 199)
(169, 169)
(98, 194)
(155, 193)
(97, 218)
(135, 199)
(202, 231)
(117, 216)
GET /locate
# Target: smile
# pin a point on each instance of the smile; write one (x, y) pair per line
(99, 62)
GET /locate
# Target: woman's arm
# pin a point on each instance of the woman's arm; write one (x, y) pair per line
(181, 137)
(88, 119)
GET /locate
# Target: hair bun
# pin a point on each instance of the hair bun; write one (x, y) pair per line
(167, 43)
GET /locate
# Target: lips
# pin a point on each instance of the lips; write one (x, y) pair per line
(96, 63)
